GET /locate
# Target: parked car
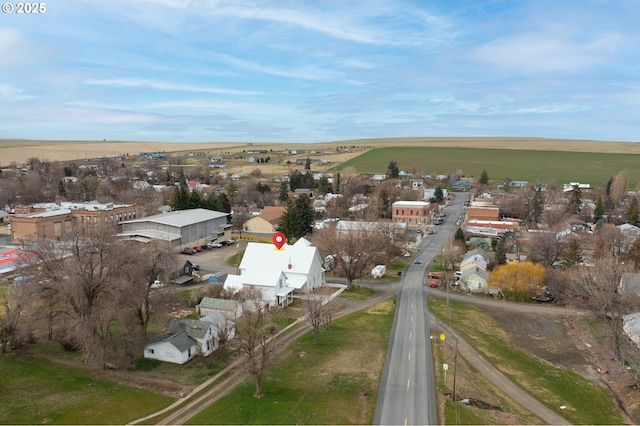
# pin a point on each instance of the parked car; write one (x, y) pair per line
(227, 242)
(433, 284)
(187, 250)
(214, 245)
(436, 275)
(197, 248)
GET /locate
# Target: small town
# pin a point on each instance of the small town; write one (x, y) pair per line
(296, 212)
(136, 260)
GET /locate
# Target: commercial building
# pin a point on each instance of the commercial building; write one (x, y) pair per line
(181, 227)
(413, 213)
(61, 219)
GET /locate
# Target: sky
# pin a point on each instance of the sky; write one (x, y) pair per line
(321, 70)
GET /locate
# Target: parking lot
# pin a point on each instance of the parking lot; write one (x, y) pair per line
(214, 260)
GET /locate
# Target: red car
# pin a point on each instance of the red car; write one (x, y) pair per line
(436, 275)
(433, 284)
(197, 248)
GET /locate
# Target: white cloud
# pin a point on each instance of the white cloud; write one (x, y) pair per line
(158, 85)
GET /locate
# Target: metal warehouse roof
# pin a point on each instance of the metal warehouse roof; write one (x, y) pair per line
(181, 217)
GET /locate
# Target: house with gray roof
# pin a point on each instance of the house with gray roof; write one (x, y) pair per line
(183, 340)
(228, 308)
(177, 348)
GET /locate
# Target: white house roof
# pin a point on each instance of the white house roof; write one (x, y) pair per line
(261, 258)
(181, 217)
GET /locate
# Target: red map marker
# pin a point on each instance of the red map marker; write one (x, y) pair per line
(279, 239)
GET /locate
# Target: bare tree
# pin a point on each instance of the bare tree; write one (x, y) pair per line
(452, 253)
(12, 302)
(544, 247)
(354, 251)
(90, 277)
(597, 288)
(253, 337)
(319, 312)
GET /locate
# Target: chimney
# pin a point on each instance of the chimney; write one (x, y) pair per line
(58, 200)
(289, 265)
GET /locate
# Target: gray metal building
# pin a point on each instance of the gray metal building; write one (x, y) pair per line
(180, 228)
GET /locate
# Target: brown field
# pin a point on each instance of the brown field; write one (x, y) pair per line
(19, 150)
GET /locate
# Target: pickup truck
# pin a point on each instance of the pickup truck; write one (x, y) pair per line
(436, 275)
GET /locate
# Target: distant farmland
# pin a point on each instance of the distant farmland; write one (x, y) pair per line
(500, 164)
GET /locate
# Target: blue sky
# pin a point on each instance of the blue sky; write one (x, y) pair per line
(322, 70)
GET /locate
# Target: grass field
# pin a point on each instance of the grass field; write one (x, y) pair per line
(528, 165)
(586, 402)
(35, 391)
(335, 382)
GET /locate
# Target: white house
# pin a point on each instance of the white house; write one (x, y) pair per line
(184, 339)
(177, 348)
(279, 274)
(474, 280)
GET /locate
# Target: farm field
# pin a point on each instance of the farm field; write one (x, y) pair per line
(527, 165)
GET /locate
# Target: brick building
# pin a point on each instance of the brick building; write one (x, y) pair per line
(59, 220)
(413, 213)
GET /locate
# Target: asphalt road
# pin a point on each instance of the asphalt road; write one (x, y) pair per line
(407, 389)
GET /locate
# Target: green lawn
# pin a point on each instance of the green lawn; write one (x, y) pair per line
(586, 402)
(528, 165)
(335, 382)
(36, 391)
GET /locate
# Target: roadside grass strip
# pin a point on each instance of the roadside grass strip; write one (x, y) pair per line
(585, 402)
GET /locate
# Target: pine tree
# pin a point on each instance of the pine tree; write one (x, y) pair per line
(392, 170)
(598, 212)
(290, 222)
(575, 202)
(484, 178)
(632, 212)
(572, 255)
(501, 254)
(284, 192)
(304, 209)
(438, 195)
(537, 206)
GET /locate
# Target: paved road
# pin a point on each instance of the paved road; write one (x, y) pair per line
(407, 389)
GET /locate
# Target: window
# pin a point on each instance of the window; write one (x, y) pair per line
(411, 212)
(402, 212)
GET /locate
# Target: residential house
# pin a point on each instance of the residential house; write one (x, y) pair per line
(393, 229)
(226, 307)
(474, 280)
(183, 340)
(266, 222)
(279, 273)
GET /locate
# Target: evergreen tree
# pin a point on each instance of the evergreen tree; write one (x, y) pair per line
(180, 198)
(392, 170)
(284, 192)
(324, 187)
(195, 200)
(575, 202)
(598, 212)
(384, 205)
(484, 178)
(438, 195)
(537, 206)
(336, 184)
(572, 256)
(501, 254)
(459, 236)
(307, 164)
(223, 204)
(632, 212)
(304, 209)
(290, 222)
